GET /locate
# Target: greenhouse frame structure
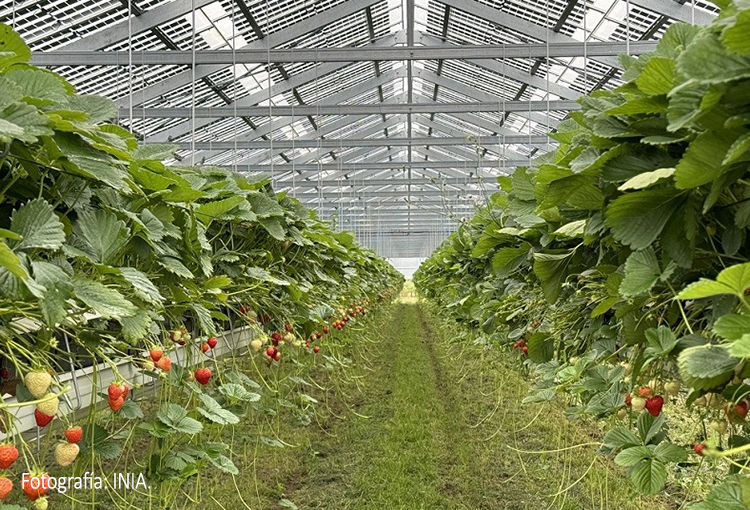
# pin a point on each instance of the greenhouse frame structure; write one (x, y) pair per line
(391, 118)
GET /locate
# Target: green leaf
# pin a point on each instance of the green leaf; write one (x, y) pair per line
(738, 148)
(136, 328)
(11, 262)
(173, 265)
(649, 426)
(104, 235)
(741, 347)
(732, 280)
(39, 86)
(632, 456)
(97, 108)
(729, 495)
(142, 285)
(649, 476)
(213, 411)
(176, 418)
(702, 161)
(263, 206)
(572, 229)
(215, 210)
(620, 437)
(735, 37)
(12, 48)
(271, 442)
(637, 219)
(706, 366)
(22, 122)
(668, 452)
(107, 302)
(551, 270)
(238, 392)
(661, 341)
(604, 306)
(541, 347)
(507, 260)
(57, 288)
(38, 226)
(641, 272)
(131, 411)
(732, 326)
(273, 227)
(657, 77)
(647, 179)
(706, 60)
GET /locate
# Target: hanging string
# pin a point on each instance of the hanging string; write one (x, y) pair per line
(268, 74)
(549, 69)
(585, 51)
(627, 27)
(130, 64)
(235, 156)
(192, 87)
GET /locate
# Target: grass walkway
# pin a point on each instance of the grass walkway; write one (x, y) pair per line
(447, 430)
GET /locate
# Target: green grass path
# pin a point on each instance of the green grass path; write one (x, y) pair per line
(443, 432)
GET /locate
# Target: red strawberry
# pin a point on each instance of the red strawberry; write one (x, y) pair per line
(213, 342)
(74, 434)
(316, 349)
(318, 335)
(8, 455)
(738, 411)
(203, 375)
(277, 356)
(276, 336)
(654, 405)
(115, 391)
(125, 390)
(243, 309)
(288, 328)
(699, 449)
(325, 330)
(525, 349)
(165, 364)
(4, 375)
(42, 420)
(35, 486)
(644, 391)
(628, 400)
(5, 487)
(156, 354)
(204, 347)
(117, 403)
(271, 352)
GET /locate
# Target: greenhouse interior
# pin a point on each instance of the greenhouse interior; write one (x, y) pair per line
(375, 254)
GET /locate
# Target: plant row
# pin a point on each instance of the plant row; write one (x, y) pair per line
(107, 256)
(616, 265)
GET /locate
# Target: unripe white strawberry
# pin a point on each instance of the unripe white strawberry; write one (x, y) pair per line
(719, 426)
(38, 383)
(289, 337)
(41, 504)
(256, 344)
(700, 402)
(672, 388)
(622, 413)
(49, 407)
(149, 365)
(638, 403)
(66, 453)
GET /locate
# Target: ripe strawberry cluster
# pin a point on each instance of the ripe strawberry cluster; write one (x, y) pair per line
(117, 393)
(521, 344)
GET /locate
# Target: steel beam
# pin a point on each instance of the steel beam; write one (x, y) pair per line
(253, 99)
(528, 28)
(275, 39)
(71, 57)
(513, 73)
(397, 181)
(327, 195)
(675, 10)
(378, 165)
(354, 109)
(119, 31)
(336, 143)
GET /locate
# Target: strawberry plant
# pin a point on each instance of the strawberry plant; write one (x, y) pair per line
(139, 265)
(619, 260)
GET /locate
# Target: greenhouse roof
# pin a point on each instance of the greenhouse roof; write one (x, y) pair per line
(393, 117)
